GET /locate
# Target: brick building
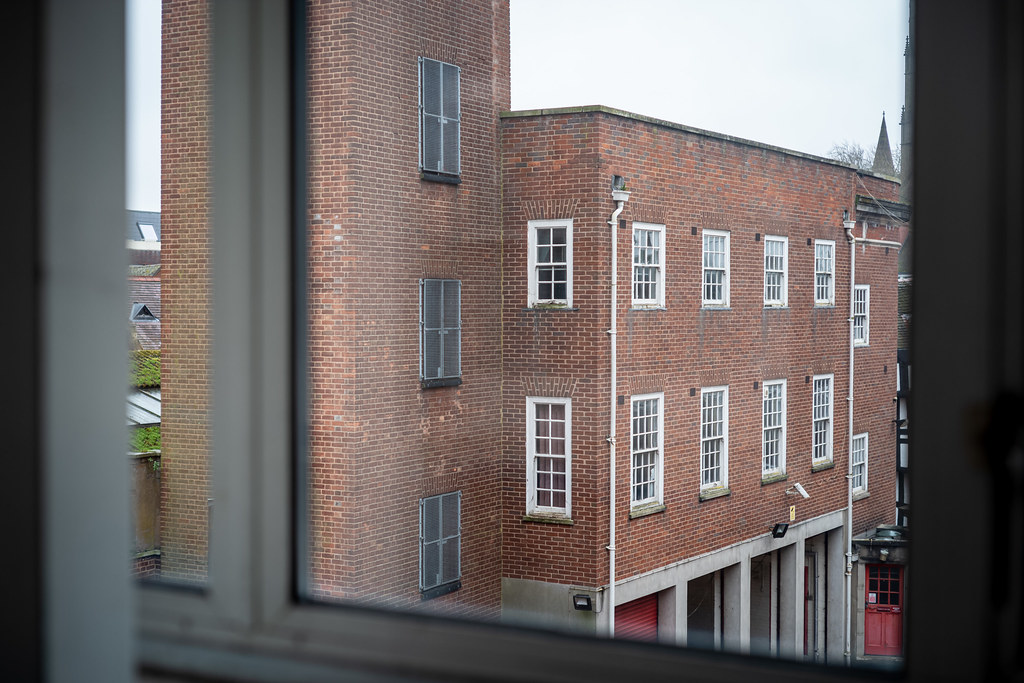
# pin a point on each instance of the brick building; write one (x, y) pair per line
(460, 374)
(732, 366)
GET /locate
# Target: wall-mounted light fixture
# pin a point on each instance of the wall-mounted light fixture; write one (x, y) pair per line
(883, 554)
(797, 489)
(582, 602)
(779, 530)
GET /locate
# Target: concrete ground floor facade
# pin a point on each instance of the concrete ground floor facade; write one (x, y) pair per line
(767, 596)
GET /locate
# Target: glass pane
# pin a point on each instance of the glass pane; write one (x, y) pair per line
(379, 441)
(170, 273)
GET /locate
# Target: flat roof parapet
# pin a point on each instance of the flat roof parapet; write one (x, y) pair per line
(611, 111)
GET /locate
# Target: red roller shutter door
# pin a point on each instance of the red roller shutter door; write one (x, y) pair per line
(638, 620)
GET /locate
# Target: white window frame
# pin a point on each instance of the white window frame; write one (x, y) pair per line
(859, 463)
(767, 410)
(822, 419)
(446, 166)
(706, 301)
(707, 438)
(861, 314)
(658, 267)
(783, 271)
(825, 294)
(636, 448)
(534, 266)
(532, 508)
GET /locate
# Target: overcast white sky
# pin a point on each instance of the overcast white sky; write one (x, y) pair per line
(799, 74)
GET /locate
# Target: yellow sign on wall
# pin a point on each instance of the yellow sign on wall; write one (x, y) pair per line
(792, 513)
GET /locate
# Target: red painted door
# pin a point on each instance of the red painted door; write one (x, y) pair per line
(883, 610)
(638, 619)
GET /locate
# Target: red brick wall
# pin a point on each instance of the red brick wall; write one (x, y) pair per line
(379, 441)
(560, 166)
(186, 296)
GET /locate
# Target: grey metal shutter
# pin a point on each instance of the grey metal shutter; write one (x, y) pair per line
(451, 341)
(450, 76)
(430, 542)
(451, 542)
(439, 116)
(431, 328)
(440, 539)
(440, 329)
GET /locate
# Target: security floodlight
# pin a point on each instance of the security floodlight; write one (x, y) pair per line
(582, 601)
(779, 530)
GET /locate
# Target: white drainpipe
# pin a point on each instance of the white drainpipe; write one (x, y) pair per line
(620, 197)
(848, 576)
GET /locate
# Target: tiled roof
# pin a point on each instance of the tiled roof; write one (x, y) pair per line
(145, 292)
(146, 334)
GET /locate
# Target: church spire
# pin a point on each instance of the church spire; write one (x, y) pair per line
(883, 153)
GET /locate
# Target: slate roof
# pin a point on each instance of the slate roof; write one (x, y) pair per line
(134, 233)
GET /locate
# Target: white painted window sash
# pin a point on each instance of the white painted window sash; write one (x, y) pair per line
(648, 264)
(861, 314)
(773, 427)
(776, 271)
(859, 463)
(824, 272)
(533, 454)
(822, 400)
(536, 265)
(646, 448)
(714, 437)
(715, 268)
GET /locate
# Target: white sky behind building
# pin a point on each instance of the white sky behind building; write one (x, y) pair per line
(798, 74)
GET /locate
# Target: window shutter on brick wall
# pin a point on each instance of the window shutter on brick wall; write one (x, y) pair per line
(439, 116)
(440, 540)
(440, 329)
